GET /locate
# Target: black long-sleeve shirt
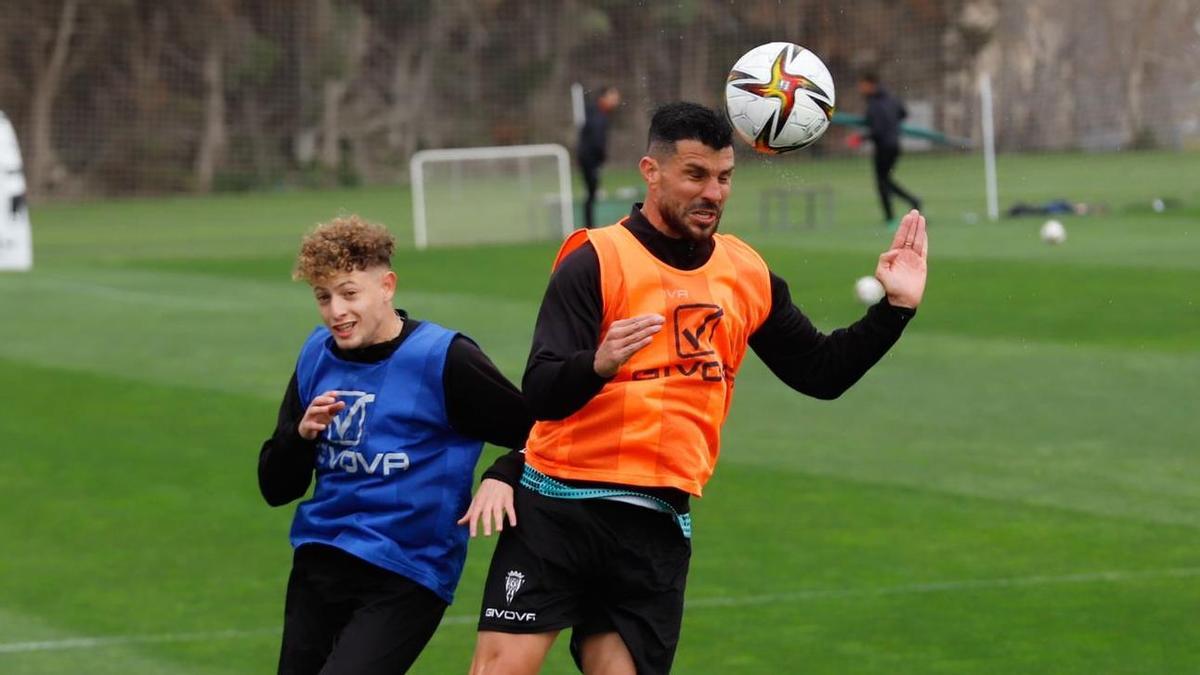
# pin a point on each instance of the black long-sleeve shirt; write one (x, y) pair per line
(884, 114)
(592, 149)
(480, 403)
(560, 377)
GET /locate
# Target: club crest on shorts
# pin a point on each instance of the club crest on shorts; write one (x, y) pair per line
(512, 583)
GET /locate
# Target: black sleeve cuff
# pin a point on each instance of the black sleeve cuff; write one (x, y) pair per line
(507, 468)
(890, 317)
(581, 368)
(293, 442)
(285, 466)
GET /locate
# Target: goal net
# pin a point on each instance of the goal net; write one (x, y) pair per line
(503, 194)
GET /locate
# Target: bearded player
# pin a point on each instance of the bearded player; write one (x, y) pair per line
(637, 345)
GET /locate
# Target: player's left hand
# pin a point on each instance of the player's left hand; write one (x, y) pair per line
(491, 503)
(902, 268)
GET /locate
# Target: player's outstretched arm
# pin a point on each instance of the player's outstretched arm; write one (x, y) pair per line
(825, 366)
(902, 268)
(481, 403)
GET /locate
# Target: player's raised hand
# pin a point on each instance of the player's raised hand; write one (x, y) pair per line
(624, 339)
(491, 503)
(319, 414)
(902, 268)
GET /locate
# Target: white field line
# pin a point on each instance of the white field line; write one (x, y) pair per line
(1111, 576)
(119, 640)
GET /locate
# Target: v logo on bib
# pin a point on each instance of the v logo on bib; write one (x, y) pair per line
(347, 427)
(695, 326)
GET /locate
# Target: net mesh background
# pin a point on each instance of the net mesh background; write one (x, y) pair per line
(149, 97)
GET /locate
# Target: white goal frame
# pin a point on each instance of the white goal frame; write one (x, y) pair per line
(423, 157)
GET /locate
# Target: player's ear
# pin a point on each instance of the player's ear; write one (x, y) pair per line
(650, 169)
(388, 281)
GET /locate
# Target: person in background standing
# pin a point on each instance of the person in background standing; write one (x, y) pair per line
(592, 150)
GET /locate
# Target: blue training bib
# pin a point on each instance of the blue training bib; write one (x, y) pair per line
(392, 476)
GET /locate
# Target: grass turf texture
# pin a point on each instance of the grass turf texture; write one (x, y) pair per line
(1011, 490)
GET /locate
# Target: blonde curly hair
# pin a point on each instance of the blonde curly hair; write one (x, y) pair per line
(344, 244)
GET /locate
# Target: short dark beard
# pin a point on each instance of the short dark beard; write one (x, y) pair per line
(676, 222)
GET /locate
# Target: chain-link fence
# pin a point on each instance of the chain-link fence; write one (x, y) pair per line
(148, 96)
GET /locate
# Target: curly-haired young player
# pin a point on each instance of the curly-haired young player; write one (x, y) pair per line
(640, 335)
(390, 414)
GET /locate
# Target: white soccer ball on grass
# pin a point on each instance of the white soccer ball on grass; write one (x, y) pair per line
(1053, 232)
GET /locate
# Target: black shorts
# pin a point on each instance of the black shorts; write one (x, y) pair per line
(595, 565)
(345, 615)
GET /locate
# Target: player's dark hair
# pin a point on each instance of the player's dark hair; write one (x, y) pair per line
(684, 121)
(869, 76)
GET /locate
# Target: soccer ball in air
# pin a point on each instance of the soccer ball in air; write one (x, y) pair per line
(1053, 232)
(868, 290)
(779, 97)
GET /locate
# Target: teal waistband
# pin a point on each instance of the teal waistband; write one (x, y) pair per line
(546, 486)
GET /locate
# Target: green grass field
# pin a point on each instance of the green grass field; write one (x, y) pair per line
(1014, 489)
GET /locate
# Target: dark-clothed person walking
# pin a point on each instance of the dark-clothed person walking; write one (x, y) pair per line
(884, 114)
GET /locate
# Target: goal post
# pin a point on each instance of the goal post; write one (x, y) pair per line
(501, 194)
(989, 147)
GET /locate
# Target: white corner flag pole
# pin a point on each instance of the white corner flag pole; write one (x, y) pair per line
(989, 146)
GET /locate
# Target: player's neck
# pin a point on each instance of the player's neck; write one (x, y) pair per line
(389, 330)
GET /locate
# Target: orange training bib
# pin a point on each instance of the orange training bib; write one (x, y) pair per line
(658, 421)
